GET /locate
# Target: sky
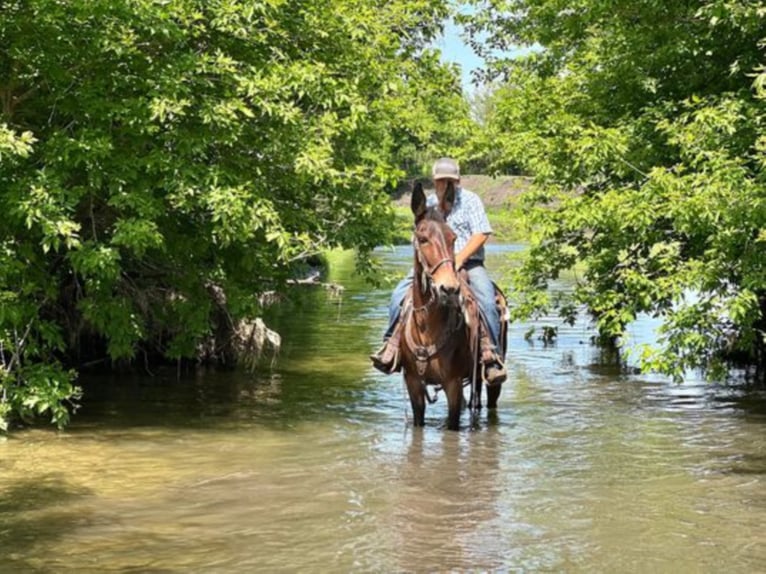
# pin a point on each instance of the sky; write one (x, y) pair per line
(454, 49)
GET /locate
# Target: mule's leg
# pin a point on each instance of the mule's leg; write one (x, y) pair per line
(474, 404)
(477, 383)
(454, 391)
(417, 394)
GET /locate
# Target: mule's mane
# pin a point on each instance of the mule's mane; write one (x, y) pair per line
(433, 214)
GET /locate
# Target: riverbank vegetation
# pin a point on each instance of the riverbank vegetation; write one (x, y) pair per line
(642, 124)
(163, 164)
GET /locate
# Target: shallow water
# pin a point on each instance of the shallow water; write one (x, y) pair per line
(312, 467)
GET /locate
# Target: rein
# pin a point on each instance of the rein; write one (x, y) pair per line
(433, 269)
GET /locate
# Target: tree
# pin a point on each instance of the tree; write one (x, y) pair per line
(644, 131)
(164, 163)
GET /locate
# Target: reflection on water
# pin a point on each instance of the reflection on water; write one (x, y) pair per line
(311, 467)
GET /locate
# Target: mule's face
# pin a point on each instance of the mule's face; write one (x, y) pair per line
(435, 248)
(435, 243)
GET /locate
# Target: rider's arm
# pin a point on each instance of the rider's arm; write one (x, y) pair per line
(476, 241)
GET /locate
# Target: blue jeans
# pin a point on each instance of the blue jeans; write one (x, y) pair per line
(482, 288)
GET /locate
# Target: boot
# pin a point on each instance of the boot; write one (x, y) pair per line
(494, 369)
(386, 360)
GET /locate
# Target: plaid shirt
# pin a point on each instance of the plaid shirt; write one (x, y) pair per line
(467, 218)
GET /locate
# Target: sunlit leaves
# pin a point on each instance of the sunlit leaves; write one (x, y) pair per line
(14, 144)
(150, 151)
(643, 125)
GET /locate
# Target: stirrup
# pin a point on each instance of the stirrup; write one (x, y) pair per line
(384, 365)
(494, 373)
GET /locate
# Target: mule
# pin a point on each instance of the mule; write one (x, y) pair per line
(441, 320)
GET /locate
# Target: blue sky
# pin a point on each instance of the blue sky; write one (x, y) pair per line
(454, 49)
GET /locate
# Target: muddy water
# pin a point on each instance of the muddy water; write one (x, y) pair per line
(311, 467)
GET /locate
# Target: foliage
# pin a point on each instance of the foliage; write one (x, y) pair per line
(439, 122)
(154, 155)
(644, 129)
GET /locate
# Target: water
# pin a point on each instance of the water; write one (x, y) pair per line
(311, 467)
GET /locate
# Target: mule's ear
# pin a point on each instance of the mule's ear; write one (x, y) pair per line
(449, 196)
(418, 202)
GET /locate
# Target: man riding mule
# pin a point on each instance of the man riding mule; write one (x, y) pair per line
(465, 215)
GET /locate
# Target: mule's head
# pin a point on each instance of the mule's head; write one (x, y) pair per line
(434, 244)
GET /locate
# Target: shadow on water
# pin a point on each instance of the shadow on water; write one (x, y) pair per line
(35, 513)
(216, 399)
(321, 373)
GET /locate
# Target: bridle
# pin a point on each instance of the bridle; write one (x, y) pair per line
(427, 275)
(429, 272)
